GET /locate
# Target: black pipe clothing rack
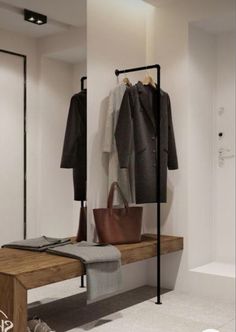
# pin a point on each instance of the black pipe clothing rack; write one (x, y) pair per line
(158, 69)
(83, 78)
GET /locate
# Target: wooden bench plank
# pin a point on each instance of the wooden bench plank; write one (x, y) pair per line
(35, 269)
(50, 275)
(21, 270)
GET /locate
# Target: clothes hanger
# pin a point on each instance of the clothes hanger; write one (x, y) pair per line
(126, 81)
(148, 80)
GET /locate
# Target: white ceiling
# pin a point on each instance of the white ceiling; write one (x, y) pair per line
(61, 14)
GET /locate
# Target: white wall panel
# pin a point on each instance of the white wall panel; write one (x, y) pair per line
(11, 148)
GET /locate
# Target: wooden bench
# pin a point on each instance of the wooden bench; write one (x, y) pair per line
(21, 270)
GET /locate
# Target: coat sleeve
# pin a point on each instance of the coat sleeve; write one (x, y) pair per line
(123, 132)
(172, 153)
(69, 153)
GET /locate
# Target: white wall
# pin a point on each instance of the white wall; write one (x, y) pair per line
(169, 29)
(50, 85)
(116, 39)
(225, 176)
(63, 63)
(11, 147)
(55, 199)
(69, 46)
(25, 45)
(202, 92)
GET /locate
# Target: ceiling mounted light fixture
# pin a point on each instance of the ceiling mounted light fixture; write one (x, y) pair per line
(34, 17)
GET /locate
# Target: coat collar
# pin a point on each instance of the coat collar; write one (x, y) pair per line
(145, 102)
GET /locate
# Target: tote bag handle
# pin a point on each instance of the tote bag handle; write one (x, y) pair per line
(115, 186)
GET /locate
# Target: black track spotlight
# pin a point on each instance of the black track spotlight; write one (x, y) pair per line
(34, 17)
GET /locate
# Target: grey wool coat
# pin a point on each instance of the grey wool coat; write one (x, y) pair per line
(125, 176)
(137, 123)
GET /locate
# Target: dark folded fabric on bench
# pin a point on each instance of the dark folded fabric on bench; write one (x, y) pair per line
(38, 244)
(103, 267)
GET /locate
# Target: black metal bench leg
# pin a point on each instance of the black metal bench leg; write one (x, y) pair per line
(82, 282)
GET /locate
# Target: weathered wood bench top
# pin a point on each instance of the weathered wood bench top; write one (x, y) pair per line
(21, 270)
(35, 269)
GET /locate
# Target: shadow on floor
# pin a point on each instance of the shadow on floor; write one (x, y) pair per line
(71, 312)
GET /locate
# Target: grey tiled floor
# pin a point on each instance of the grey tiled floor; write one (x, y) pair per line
(229, 327)
(133, 311)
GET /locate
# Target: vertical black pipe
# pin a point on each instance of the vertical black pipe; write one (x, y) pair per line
(82, 202)
(82, 277)
(25, 147)
(158, 184)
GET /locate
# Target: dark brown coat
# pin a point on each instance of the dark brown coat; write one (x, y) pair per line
(74, 153)
(137, 123)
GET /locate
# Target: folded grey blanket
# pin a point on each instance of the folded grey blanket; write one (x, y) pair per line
(103, 267)
(38, 244)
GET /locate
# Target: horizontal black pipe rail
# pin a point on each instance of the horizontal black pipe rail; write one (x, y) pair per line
(129, 70)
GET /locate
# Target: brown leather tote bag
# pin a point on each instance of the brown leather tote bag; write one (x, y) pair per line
(118, 225)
